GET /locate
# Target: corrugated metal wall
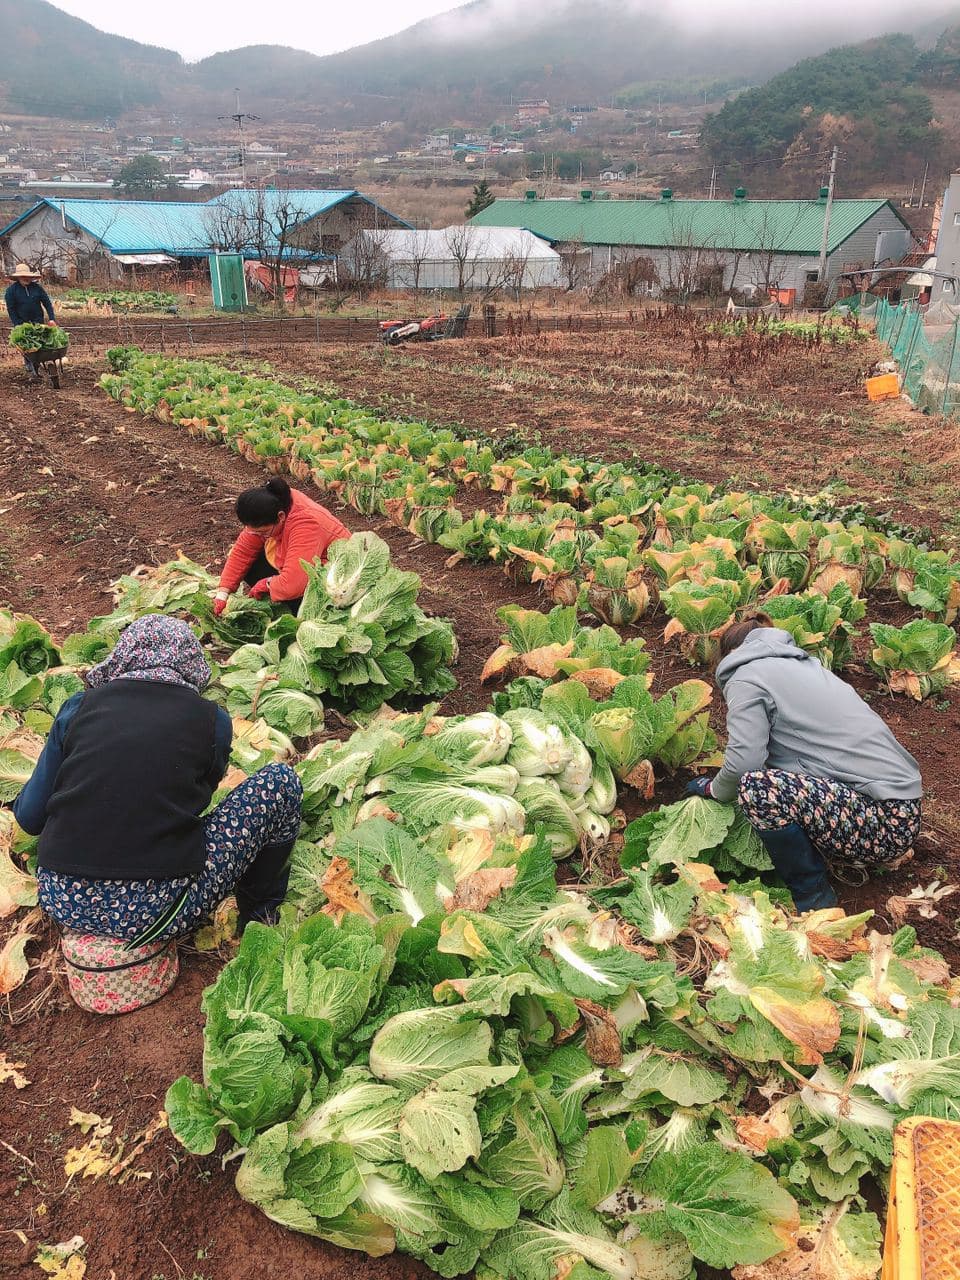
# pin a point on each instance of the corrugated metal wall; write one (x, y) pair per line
(747, 271)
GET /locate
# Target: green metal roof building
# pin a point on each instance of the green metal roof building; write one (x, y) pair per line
(759, 244)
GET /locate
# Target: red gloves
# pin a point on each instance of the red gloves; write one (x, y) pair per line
(218, 607)
(260, 590)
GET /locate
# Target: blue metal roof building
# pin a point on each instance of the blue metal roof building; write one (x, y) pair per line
(56, 232)
(131, 226)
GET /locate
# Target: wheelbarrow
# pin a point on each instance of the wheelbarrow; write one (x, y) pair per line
(47, 363)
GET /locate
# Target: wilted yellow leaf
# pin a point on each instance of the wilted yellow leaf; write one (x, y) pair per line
(223, 927)
(475, 892)
(90, 1161)
(498, 662)
(343, 896)
(12, 1071)
(89, 1122)
(63, 1261)
(14, 965)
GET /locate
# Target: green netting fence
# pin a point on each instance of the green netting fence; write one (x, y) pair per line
(928, 356)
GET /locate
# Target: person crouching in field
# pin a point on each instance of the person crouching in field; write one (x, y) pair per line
(118, 799)
(817, 773)
(282, 526)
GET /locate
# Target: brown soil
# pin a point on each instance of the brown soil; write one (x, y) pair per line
(87, 491)
(798, 417)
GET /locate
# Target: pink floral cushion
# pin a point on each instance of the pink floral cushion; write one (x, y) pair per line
(105, 976)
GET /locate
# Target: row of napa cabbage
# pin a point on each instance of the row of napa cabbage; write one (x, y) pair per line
(568, 743)
(602, 537)
(460, 1059)
(480, 1068)
(359, 639)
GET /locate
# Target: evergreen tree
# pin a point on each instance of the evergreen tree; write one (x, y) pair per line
(143, 174)
(482, 198)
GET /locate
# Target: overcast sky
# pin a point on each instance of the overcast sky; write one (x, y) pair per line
(197, 29)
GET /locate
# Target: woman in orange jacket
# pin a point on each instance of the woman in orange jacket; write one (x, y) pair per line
(282, 526)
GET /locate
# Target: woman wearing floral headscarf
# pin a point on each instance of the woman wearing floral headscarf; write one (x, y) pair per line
(119, 793)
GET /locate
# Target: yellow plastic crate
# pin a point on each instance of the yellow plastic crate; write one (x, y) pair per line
(923, 1218)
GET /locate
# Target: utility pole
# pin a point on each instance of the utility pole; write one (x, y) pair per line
(822, 267)
(923, 184)
(238, 118)
(713, 183)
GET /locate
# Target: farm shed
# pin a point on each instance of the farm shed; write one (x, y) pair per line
(461, 257)
(74, 239)
(693, 244)
(77, 239)
(318, 223)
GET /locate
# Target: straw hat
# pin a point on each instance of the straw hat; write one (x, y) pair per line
(23, 269)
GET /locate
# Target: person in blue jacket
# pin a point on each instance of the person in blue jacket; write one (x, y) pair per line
(817, 773)
(26, 301)
(120, 793)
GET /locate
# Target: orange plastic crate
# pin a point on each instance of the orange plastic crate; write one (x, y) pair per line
(923, 1218)
(884, 387)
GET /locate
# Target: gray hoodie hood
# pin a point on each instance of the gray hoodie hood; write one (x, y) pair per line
(765, 642)
(786, 711)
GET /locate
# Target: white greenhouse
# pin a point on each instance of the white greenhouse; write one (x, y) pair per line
(457, 257)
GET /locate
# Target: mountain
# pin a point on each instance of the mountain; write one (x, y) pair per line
(56, 65)
(463, 64)
(868, 99)
(486, 53)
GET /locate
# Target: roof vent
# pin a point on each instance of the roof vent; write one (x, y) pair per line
(740, 193)
(529, 195)
(666, 193)
(586, 194)
(824, 193)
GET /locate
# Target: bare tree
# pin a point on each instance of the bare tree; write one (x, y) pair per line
(67, 251)
(770, 235)
(625, 279)
(466, 246)
(417, 252)
(363, 263)
(575, 263)
(261, 223)
(513, 270)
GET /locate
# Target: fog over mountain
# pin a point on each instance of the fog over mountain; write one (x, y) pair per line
(464, 61)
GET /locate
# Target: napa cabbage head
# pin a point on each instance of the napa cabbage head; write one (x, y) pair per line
(601, 795)
(577, 774)
(538, 747)
(479, 739)
(549, 811)
(354, 565)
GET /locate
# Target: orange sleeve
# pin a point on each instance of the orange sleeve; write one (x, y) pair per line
(242, 555)
(307, 541)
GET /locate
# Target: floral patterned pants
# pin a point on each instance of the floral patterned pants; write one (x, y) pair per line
(845, 826)
(248, 838)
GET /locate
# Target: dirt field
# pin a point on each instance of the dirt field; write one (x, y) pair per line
(87, 491)
(799, 418)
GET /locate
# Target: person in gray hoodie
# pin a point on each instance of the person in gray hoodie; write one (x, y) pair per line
(815, 771)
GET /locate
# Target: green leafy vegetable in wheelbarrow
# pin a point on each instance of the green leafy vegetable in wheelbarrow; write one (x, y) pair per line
(38, 337)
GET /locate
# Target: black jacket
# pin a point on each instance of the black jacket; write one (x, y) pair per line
(140, 762)
(26, 303)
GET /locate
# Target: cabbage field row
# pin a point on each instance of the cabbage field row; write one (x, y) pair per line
(448, 1048)
(612, 540)
(463, 1041)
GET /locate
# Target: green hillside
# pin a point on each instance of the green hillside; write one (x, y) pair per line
(869, 99)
